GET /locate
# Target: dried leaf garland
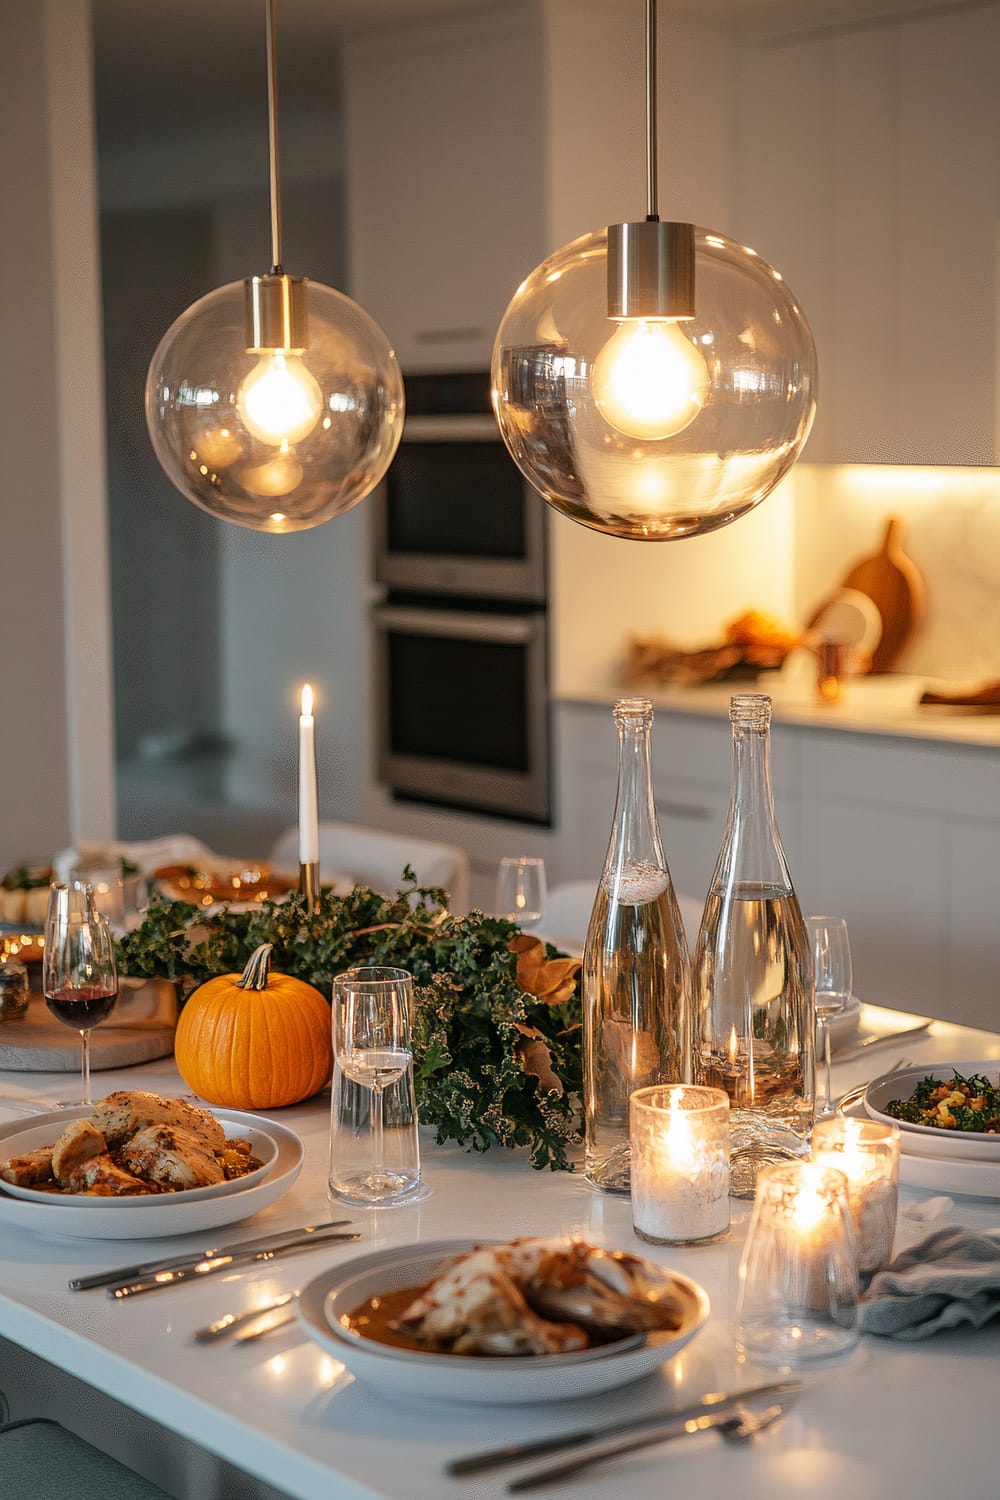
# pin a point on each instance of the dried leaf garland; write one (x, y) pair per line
(552, 980)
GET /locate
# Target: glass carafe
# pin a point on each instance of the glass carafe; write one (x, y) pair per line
(635, 980)
(752, 970)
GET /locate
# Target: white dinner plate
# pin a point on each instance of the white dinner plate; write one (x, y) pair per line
(930, 1140)
(942, 1174)
(44, 1130)
(143, 1218)
(471, 1378)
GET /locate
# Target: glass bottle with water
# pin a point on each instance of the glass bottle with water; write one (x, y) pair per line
(752, 969)
(634, 980)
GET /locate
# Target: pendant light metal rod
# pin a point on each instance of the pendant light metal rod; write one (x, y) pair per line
(651, 194)
(272, 137)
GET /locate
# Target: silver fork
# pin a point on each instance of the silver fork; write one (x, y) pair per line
(854, 1095)
(735, 1427)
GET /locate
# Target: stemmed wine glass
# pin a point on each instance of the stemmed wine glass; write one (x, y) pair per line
(373, 1015)
(79, 978)
(521, 890)
(834, 979)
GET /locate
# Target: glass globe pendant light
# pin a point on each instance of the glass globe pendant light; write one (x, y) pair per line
(654, 380)
(275, 402)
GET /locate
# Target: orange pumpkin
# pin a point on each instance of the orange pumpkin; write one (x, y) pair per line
(254, 1041)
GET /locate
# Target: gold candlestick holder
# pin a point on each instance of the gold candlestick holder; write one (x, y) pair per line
(309, 884)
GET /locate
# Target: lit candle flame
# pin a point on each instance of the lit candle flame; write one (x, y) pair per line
(734, 1045)
(307, 700)
(809, 1209)
(679, 1140)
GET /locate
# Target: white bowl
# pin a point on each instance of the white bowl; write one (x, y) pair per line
(474, 1378)
(45, 1130)
(931, 1140)
(78, 1217)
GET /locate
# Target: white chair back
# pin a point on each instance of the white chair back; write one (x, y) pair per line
(568, 908)
(350, 854)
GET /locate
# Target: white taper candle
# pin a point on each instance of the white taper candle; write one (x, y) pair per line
(308, 807)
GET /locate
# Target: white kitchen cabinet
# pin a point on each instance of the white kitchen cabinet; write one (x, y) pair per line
(898, 834)
(865, 173)
(444, 176)
(692, 765)
(973, 865)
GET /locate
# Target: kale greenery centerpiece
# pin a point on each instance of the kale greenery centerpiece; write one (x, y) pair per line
(497, 1057)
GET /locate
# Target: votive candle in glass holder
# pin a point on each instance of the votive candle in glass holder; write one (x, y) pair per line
(798, 1277)
(867, 1152)
(679, 1136)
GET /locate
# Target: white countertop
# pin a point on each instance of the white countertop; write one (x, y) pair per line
(869, 705)
(893, 1419)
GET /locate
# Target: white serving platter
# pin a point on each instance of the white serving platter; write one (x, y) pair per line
(470, 1378)
(81, 1217)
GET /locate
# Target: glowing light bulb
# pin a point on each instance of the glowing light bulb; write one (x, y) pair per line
(279, 401)
(649, 381)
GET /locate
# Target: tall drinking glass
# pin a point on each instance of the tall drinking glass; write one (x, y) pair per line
(521, 890)
(374, 1150)
(79, 978)
(834, 981)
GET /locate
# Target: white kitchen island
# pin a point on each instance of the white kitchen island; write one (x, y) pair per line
(891, 1419)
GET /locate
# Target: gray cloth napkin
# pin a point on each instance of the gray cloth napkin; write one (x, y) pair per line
(950, 1277)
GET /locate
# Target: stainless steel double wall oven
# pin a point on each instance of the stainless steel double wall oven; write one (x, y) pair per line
(462, 632)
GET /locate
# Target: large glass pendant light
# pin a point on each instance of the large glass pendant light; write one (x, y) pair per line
(654, 380)
(274, 402)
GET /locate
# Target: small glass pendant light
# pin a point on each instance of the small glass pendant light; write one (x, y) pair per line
(275, 402)
(654, 380)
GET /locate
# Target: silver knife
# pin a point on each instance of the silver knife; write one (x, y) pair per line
(716, 1402)
(194, 1258)
(221, 1263)
(229, 1321)
(266, 1323)
(877, 1041)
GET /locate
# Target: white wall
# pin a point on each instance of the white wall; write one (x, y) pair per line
(56, 758)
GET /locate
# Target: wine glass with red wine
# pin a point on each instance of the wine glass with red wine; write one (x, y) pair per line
(79, 978)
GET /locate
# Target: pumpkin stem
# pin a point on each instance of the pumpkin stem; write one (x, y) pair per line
(255, 975)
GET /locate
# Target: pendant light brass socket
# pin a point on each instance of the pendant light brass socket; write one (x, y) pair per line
(651, 270)
(276, 314)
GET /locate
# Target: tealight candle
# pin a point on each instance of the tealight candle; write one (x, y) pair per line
(798, 1274)
(679, 1163)
(867, 1152)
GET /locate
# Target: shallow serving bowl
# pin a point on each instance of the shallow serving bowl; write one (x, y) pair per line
(45, 1130)
(931, 1140)
(324, 1304)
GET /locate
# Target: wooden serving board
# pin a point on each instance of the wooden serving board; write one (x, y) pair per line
(37, 1043)
(986, 698)
(892, 582)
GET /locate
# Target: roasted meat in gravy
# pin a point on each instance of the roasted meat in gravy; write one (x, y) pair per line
(29, 1169)
(172, 1157)
(121, 1115)
(134, 1143)
(537, 1296)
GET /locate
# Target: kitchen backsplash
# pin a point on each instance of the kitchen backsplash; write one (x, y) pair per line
(786, 558)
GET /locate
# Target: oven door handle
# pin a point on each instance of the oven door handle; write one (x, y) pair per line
(466, 625)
